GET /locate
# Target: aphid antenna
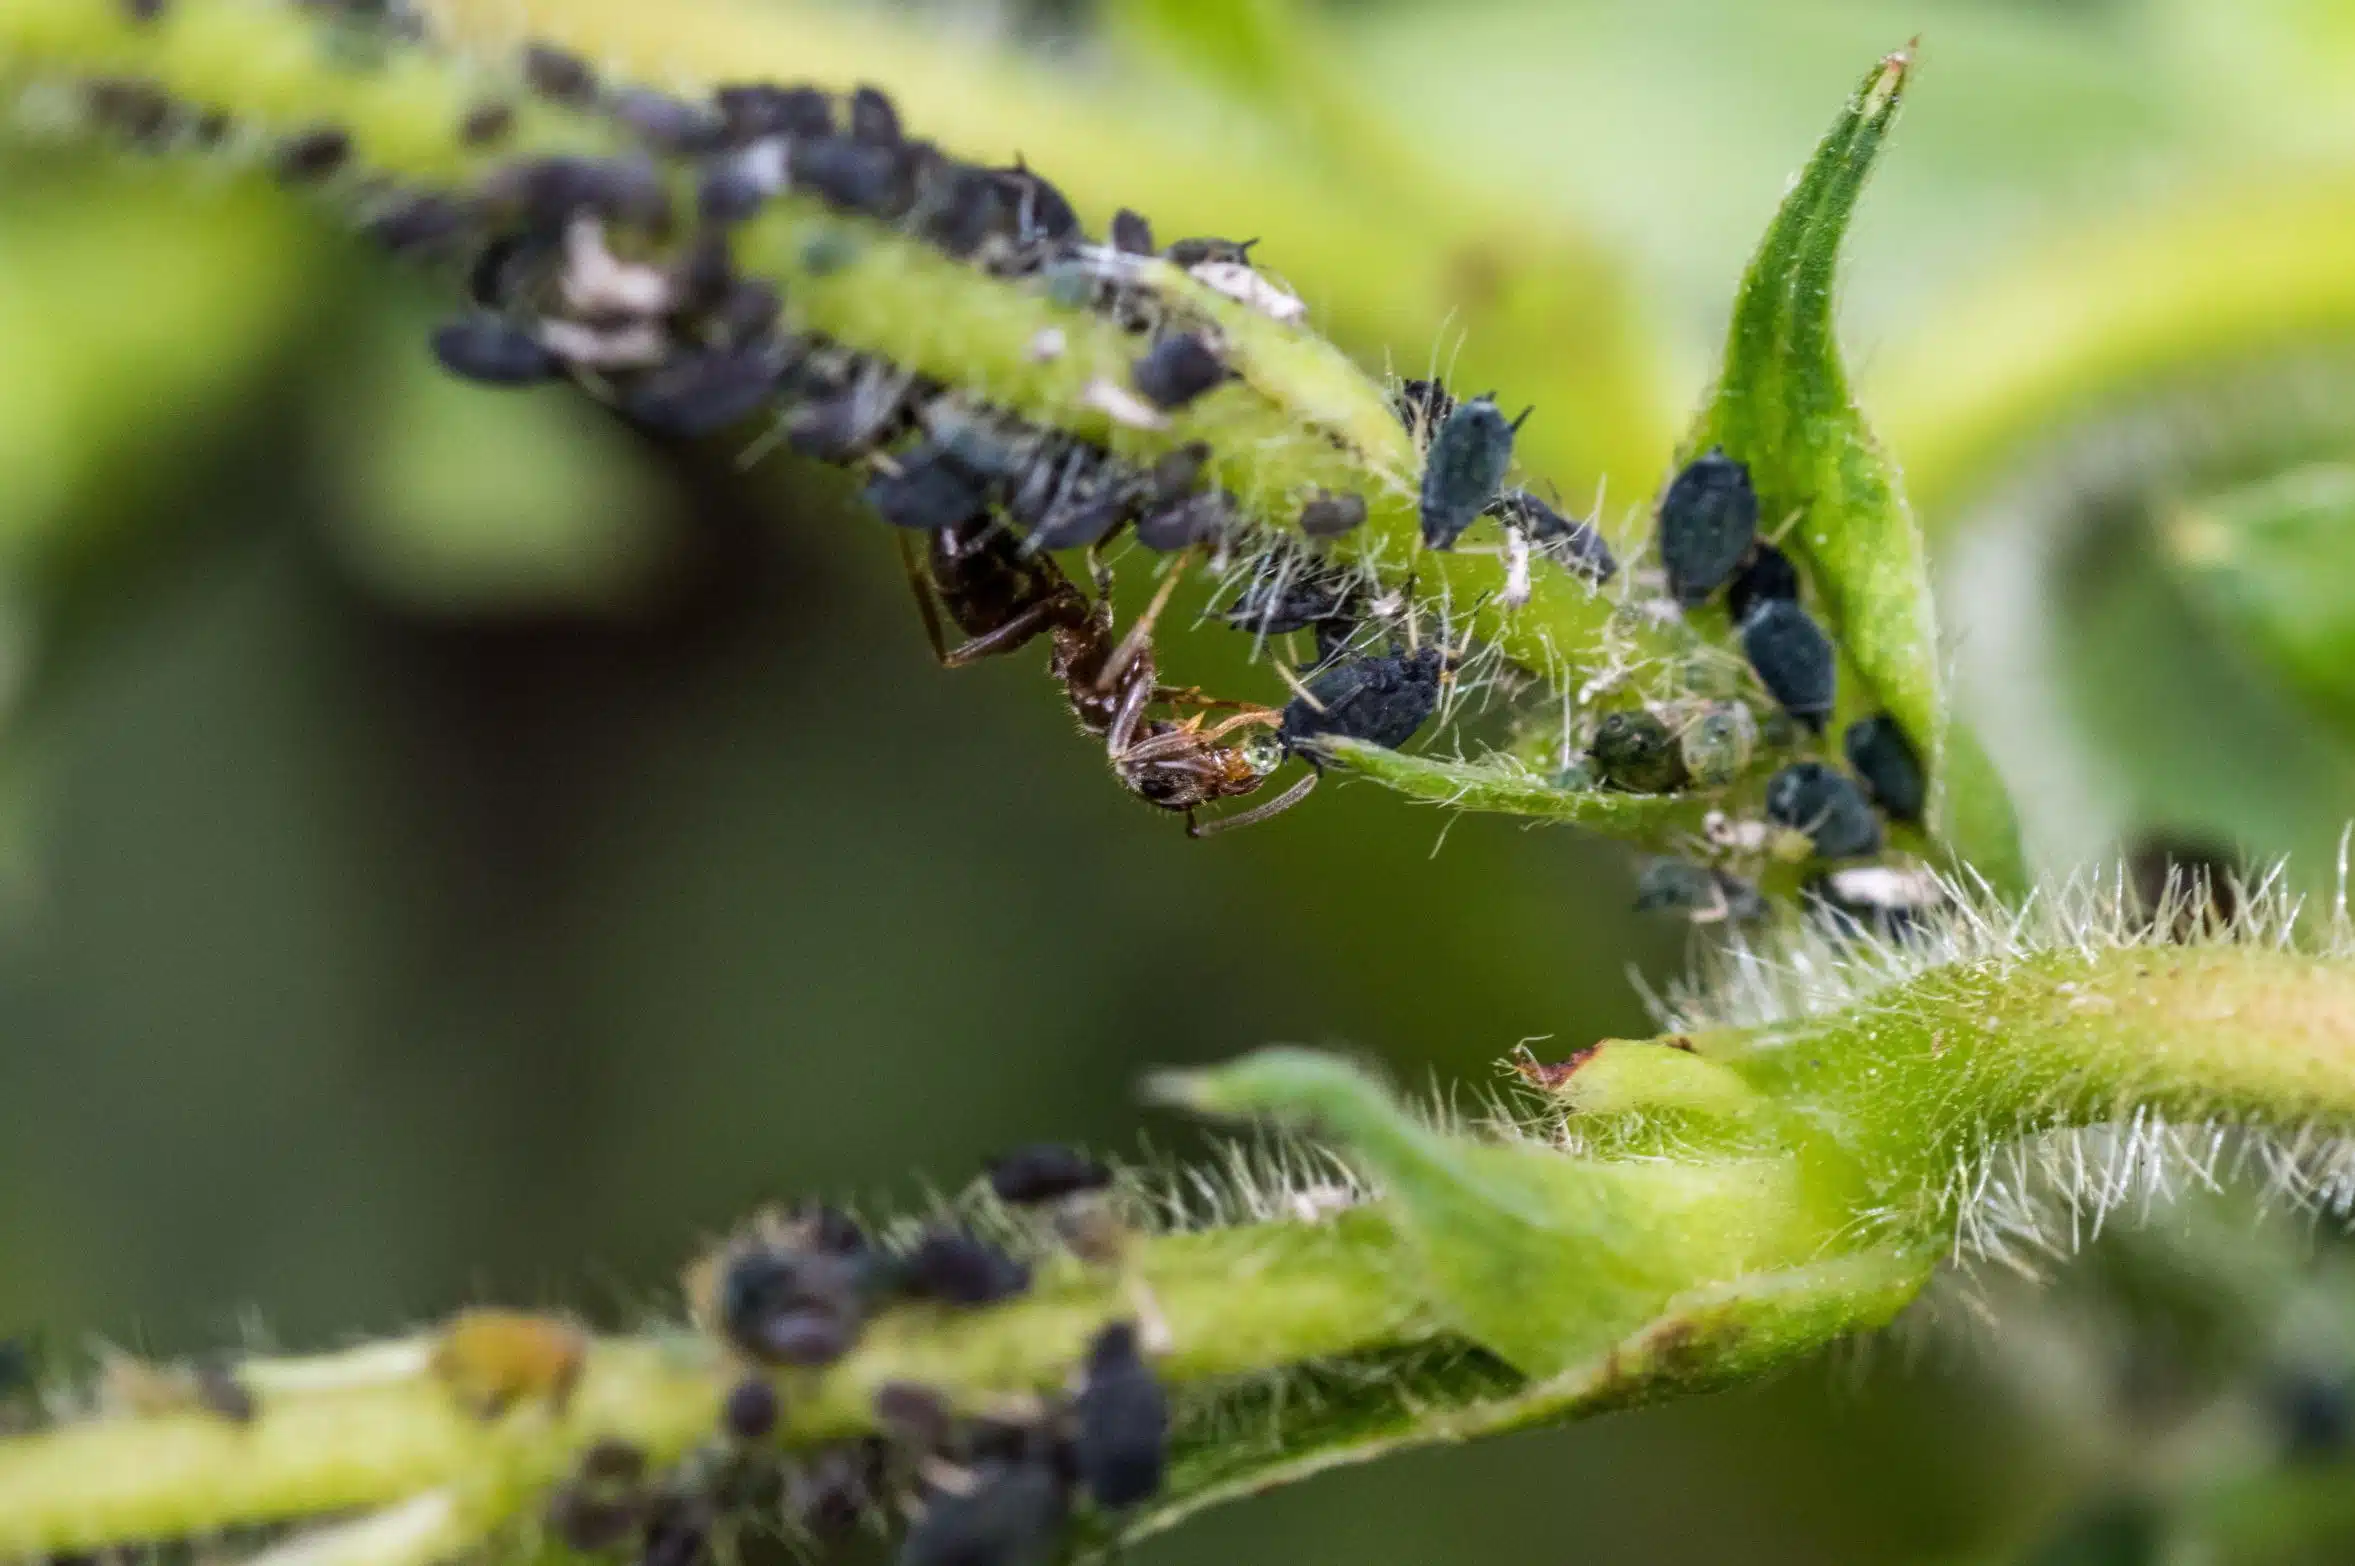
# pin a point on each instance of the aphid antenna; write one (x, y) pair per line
(1515, 426)
(1298, 689)
(1782, 529)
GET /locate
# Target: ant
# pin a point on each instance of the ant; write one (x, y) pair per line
(1002, 597)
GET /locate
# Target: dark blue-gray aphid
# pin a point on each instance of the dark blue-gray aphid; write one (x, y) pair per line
(786, 1305)
(1793, 658)
(1131, 233)
(1380, 698)
(1569, 543)
(558, 76)
(1176, 370)
(956, 1268)
(1329, 514)
(1826, 804)
(1464, 468)
(1423, 406)
(931, 490)
(729, 194)
(311, 155)
(1012, 1514)
(1767, 574)
(1198, 518)
(1703, 893)
(752, 110)
(874, 118)
(1041, 211)
(492, 352)
(850, 175)
(1885, 759)
(1044, 1172)
(750, 1410)
(704, 390)
(413, 223)
(1121, 1445)
(1280, 605)
(671, 126)
(1708, 520)
(486, 124)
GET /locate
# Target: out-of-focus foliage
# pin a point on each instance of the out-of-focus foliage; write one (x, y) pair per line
(451, 840)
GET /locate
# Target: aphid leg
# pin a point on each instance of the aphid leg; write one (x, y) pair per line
(1140, 634)
(1300, 690)
(1257, 813)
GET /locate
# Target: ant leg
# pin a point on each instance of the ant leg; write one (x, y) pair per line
(1006, 638)
(1188, 738)
(1122, 730)
(1257, 813)
(1140, 634)
(927, 603)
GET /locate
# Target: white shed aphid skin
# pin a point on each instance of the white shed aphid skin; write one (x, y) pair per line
(595, 282)
(637, 346)
(1517, 586)
(1246, 284)
(1046, 346)
(1887, 886)
(1122, 406)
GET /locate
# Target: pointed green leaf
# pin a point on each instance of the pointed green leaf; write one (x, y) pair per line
(1783, 407)
(1541, 1257)
(1500, 785)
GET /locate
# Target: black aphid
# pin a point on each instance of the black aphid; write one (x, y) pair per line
(1180, 524)
(791, 1306)
(1423, 406)
(1122, 1414)
(931, 490)
(671, 126)
(222, 1394)
(678, 1532)
(143, 10)
(2205, 875)
(1045, 1172)
(1080, 514)
(818, 1227)
(413, 223)
(1040, 209)
(1572, 544)
(547, 193)
(492, 352)
(1379, 698)
(704, 390)
(752, 110)
(959, 1269)
(1825, 804)
(141, 110)
(1636, 753)
(1010, 1516)
(1767, 574)
(959, 208)
(1280, 605)
(2312, 1412)
(1329, 514)
(748, 311)
(559, 76)
(1708, 520)
(751, 1410)
(1131, 233)
(604, 1500)
(1885, 759)
(728, 195)
(1208, 248)
(1467, 461)
(1702, 893)
(1793, 658)
(486, 124)
(831, 1490)
(853, 175)
(1176, 370)
(873, 118)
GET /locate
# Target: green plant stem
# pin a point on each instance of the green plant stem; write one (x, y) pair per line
(370, 1428)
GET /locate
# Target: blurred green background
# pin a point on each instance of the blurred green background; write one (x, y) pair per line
(455, 849)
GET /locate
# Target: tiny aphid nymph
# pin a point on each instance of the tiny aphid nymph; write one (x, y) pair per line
(559, 76)
(491, 352)
(1329, 515)
(956, 1268)
(1708, 520)
(1637, 753)
(1176, 370)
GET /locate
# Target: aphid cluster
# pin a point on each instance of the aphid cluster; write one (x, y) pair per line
(995, 1486)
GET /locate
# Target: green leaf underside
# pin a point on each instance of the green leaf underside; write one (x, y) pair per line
(1503, 786)
(1782, 406)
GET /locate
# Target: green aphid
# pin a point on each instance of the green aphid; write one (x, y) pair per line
(1718, 744)
(1635, 753)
